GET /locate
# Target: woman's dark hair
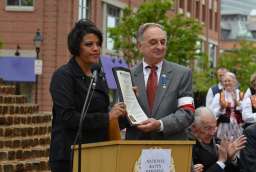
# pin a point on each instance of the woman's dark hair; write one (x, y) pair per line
(82, 28)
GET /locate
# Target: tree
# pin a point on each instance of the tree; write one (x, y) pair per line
(182, 32)
(241, 61)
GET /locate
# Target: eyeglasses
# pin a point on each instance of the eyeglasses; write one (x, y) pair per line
(209, 128)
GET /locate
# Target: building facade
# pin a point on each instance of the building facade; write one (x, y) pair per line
(20, 20)
(208, 13)
(238, 21)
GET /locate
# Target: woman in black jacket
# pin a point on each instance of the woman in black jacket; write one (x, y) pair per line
(69, 87)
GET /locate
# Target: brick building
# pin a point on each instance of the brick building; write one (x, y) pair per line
(54, 19)
(237, 22)
(208, 13)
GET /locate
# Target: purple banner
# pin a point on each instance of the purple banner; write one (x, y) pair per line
(17, 69)
(108, 63)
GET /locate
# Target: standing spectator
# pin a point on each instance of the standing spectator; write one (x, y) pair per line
(248, 154)
(164, 89)
(215, 88)
(226, 107)
(252, 89)
(249, 103)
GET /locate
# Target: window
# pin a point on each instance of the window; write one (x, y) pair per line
(197, 10)
(84, 11)
(212, 55)
(20, 5)
(216, 19)
(225, 34)
(113, 14)
(189, 6)
(182, 4)
(211, 19)
(204, 13)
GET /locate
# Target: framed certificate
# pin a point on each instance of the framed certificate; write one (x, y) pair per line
(126, 94)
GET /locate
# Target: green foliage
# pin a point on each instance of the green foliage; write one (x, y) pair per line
(182, 32)
(182, 35)
(27, 2)
(203, 76)
(241, 61)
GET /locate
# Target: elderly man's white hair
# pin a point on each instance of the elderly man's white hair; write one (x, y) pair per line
(202, 112)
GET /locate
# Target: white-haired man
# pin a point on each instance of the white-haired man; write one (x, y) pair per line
(208, 156)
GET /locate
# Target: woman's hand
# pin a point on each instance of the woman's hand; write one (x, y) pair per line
(118, 110)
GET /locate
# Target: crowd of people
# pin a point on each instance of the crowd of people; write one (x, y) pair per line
(235, 113)
(164, 92)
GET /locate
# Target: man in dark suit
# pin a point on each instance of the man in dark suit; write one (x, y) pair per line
(207, 155)
(164, 89)
(248, 154)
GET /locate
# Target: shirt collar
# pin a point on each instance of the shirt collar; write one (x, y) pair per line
(76, 68)
(220, 85)
(158, 65)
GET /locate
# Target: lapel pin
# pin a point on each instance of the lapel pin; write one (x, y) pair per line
(163, 80)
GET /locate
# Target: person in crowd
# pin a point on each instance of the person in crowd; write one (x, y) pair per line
(248, 154)
(164, 89)
(69, 87)
(207, 155)
(226, 106)
(249, 103)
(215, 88)
(252, 89)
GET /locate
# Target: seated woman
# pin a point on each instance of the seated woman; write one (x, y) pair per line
(249, 103)
(227, 109)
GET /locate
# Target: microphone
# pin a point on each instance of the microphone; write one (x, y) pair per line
(95, 71)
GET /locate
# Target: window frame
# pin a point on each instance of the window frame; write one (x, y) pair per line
(84, 9)
(19, 7)
(117, 4)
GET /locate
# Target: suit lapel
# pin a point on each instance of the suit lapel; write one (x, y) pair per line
(140, 83)
(164, 82)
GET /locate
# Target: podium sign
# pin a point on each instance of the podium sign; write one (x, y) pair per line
(122, 156)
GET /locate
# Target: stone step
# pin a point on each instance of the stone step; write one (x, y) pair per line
(24, 154)
(27, 108)
(13, 99)
(37, 164)
(25, 131)
(24, 119)
(7, 89)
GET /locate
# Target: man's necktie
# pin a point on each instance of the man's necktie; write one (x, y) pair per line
(151, 87)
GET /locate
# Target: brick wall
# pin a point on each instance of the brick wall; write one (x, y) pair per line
(24, 133)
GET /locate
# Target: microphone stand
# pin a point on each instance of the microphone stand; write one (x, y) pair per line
(78, 138)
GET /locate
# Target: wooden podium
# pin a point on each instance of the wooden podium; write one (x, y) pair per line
(121, 156)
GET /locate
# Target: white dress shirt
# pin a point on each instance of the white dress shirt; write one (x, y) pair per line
(247, 114)
(210, 96)
(146, 72)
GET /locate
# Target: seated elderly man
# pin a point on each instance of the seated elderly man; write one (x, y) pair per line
(208, 156)
(248, 154)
